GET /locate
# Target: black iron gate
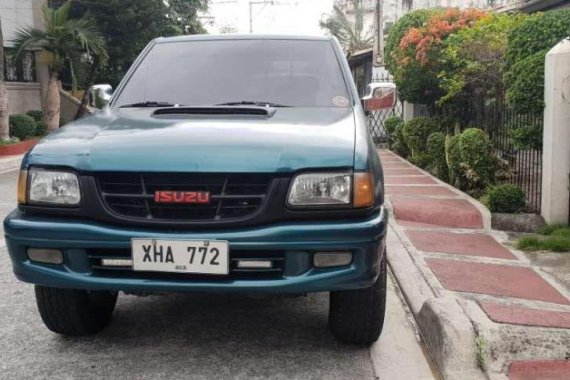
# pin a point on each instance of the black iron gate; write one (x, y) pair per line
(376, 119)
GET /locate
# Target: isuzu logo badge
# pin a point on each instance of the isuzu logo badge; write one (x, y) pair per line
(191, 197)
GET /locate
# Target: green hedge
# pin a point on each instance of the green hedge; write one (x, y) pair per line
(390, 125)
(22, 126)
(477, 159)
(436, 151)
(37, 115)
(416, 133)
(524, 57)
(504, 198)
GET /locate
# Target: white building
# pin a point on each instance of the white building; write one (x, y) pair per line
(27, 81)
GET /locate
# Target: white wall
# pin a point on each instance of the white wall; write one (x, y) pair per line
(15, 14)
(556, 142)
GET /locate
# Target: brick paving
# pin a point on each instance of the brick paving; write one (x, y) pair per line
(447, 229)
(540, 370)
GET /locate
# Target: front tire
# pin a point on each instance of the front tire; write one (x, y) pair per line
(75, 312)
(357, 316)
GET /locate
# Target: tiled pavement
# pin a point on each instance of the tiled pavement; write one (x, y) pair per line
(451, 234)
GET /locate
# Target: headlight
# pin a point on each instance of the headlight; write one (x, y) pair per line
(317, 189)
(53, 187)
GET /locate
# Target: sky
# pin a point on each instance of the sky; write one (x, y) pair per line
(268, 17)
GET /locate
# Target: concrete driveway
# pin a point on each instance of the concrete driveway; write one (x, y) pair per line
(200, 336)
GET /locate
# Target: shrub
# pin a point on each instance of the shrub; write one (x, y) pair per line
(527, 137)
(22, 126)
(436, 151)
(41, 128)
(416, 133)
(453, 160)
(400, 145)
(390, 124)
(505, 198)
(37, 115)
(478, 160)
(527, 46)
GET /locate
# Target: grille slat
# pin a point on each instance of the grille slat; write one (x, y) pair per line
(233, 196)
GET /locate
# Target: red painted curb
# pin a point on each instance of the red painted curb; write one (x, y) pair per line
(495, 280)
(517, 315)
(460, 244)
(540, 370)
(18, 148)
(452, 213)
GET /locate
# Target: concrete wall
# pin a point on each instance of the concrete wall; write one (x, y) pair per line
(23, 97)
(556, 150)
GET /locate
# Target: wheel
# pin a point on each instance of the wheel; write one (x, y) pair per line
(75, 312)
(357, 316)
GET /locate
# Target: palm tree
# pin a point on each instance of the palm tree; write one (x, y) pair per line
(350, 34)
(65, 42)
(4, 126)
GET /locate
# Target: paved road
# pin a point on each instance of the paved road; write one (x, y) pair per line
(200, 336)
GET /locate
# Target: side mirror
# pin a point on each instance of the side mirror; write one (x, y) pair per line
(380, 96)
(99, 95)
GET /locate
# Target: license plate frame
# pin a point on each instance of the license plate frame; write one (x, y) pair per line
(186, 256)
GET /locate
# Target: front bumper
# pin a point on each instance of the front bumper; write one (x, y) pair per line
(298, 241)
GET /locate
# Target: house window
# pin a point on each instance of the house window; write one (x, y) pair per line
(23, 71)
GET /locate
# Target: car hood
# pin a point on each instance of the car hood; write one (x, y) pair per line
(134, 140)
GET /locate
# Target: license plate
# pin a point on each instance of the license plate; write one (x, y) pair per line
(181, 256)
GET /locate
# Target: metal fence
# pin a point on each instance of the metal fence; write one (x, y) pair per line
(522, 155)
(376, 119)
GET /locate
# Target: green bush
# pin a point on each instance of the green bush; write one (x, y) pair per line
(527, 137)
(453, 160)
(37, 115)
(416, 133)
(22, 126)
(478, 160)
(436, 151)
(390, 125)
(525, 53)
(505, 198)
(41, 128)
(400, 146)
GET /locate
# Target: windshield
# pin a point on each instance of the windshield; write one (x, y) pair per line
(294, 73)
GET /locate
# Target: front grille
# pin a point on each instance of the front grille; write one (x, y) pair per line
(233, 196)
(277, 269)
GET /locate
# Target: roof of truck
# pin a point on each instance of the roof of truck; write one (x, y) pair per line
(213, 37)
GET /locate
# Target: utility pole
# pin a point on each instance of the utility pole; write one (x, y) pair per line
(262, 2)
(378, 51)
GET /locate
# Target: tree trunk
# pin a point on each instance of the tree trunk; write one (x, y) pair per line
(52, 103)
(4, 123)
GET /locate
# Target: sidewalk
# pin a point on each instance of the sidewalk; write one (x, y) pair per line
(10, 162)
(478, 303)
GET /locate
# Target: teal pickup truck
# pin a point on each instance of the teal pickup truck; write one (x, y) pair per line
(220, 164)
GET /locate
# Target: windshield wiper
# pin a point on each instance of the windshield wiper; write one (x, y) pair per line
(252, 103)
(149, 103)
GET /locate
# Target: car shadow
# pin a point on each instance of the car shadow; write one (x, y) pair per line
(222, 336)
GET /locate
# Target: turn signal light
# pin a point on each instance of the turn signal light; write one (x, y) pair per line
(363, 190)
(22, 187)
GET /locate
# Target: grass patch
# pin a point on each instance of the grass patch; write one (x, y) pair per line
(550, 238)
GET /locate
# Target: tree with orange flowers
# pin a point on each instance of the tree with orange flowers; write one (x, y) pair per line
(419, 55)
